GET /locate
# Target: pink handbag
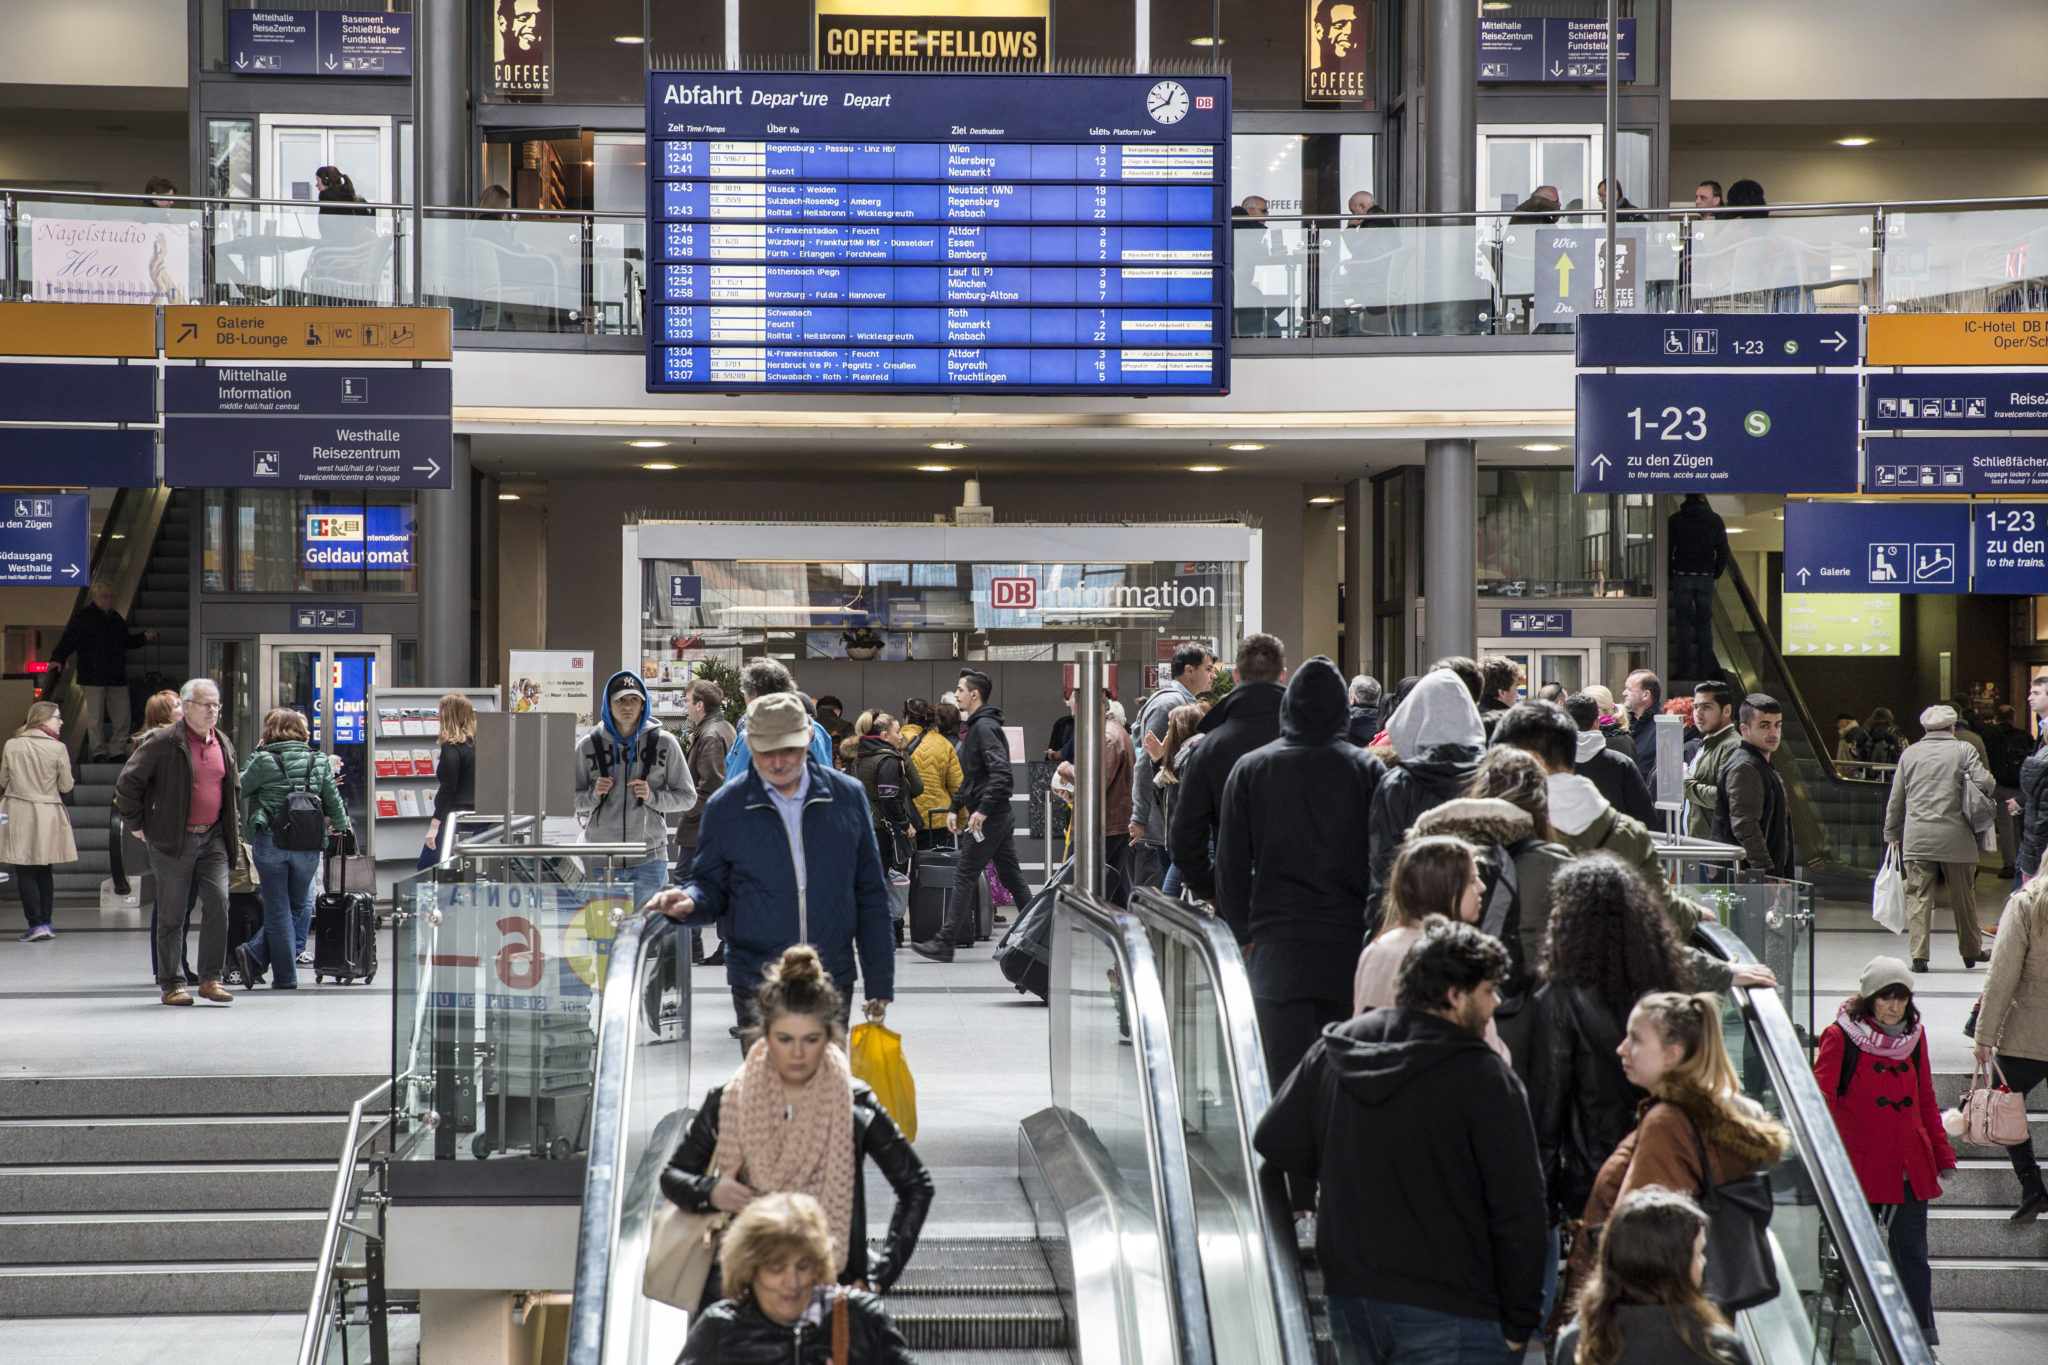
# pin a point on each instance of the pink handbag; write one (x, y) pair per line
(1993, 1118)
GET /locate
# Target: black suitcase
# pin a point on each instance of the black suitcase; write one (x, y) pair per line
(344, 931)
(245, 922)
(1025, 954)
(931, 880)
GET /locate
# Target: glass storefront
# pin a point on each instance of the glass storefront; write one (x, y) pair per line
(1537, 538)
(259, 540)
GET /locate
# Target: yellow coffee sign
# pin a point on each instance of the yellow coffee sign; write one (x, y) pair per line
(932, 35)
(1956, 339)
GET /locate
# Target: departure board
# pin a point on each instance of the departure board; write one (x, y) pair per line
(832, 231)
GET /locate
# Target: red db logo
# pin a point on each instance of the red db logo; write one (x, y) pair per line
(1013, 594)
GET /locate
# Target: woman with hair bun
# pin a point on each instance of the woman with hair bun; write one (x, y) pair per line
(793, 1119)
(1645, 1305)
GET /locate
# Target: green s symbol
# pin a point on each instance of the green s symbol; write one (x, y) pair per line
(1757, 423)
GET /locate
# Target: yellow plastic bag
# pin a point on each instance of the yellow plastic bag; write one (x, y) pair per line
(875, 1054)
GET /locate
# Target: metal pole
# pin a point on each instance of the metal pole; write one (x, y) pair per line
(1088, 723)
(1613, 192)
(1450, 547)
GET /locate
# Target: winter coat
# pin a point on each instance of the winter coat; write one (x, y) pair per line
(710, 745)
(1153, 719)
(1584, 823)
(1245, 719)
(1703, 780)
(1754, 812)
(1118, 766)
(1615, 774)
(277, 770)
(650, 754)
(2033, 811)
(688, 1180)
(1581, 1101)
(938, 772)
(985, 781)
(1365, 723)
(35, 772)
(1648, 1338)
(101, 640)
(154, 792)
(1487, 821)
(2014, 1014)
(2007, 746)
(1888, 1118)
(1439, 736)
(739, 759)
(1430, 1194)
(745, 875)
(1642, 739)
(891, 784)
(1882, 744)
(1699, 540)
(455, 774)
(737, 1332)
(1289, 863)
(1925, 814)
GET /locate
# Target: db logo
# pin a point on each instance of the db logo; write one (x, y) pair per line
(1013, 594)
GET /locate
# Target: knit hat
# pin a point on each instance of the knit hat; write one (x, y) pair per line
(1938, 717)
(1882, 972)
(777, 721)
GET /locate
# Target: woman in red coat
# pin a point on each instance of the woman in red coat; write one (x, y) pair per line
(1873, 1067)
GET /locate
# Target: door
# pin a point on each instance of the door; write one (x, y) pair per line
(328, 678)
(1570, 664)
(329, 258)
(1513, 161)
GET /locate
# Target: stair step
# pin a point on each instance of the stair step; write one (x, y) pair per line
(190, 1138)
(973, 1322)
(138, 1290)
(171, 1096)
(1981, 1182)
(1049, 1356)
(1989, 1286)
(66, 1239)
(1985, 1233)
(188, 1189)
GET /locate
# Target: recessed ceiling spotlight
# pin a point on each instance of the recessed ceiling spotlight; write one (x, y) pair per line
(1243, 446)
(1854, 141)
(659, 467)
(508, 497)
(1205, 469)
(935, 469)
(647, 445)
(1543, 447)
(1205, 41)
(1322, 501)
(633, 39)
(948, 445)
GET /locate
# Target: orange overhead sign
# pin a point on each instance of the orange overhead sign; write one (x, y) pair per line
(1956, 339)
(78, 329)
(195, 333)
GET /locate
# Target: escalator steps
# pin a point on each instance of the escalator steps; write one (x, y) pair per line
(980, 1296)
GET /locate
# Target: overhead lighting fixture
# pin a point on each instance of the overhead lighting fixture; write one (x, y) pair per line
(1246, 446)
(1321, 502)
(935, 469)
(659, 467)
(632, 39)
(1543, 447)
(1738, 530)
(1498, 4)
(1205, 41)
(1854, 141)
(1206, 468)
(948, 445)
(648, 444)
(508, 497)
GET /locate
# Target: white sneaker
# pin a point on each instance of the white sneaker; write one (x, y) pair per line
(304, 959)
(1305, 1232)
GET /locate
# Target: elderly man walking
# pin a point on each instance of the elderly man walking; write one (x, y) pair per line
(1928, 817)
(181, 790)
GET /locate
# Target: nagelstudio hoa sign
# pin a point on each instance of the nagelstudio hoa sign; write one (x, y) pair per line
(932, 35)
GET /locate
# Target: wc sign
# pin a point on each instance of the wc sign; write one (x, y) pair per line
(1013, 594)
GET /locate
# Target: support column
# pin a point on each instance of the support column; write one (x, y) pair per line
(1450, 148)
(1358, 584)
(1450, 549)
(442, 539)
(441, 66)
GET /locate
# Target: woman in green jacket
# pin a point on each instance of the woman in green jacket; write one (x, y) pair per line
(288, 877)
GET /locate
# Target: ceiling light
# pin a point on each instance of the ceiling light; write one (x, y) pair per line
(508, 497)
(1853, 141)
(1543, 447)
(1205, 469)
(935, 469)
(949, 445)
(1497, 4)
(1321, 502)
(659, 467)
(631, 38)
(1246, 446)
(647, 445)
(1738, 530)
(1205, 41)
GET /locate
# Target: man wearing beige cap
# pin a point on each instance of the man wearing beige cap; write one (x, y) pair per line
(787, 855)
(1929, 820)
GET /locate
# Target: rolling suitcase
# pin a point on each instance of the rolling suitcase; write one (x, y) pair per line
(245, 922)
(931, 880)
(1025, 954)
(344, 932)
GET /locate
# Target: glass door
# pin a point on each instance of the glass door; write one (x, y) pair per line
(1569, 664)
(1514, 162)
(328, 681)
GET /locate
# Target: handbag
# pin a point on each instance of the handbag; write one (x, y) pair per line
(1993, 1118)
(680, 1250)
(1980, 810)
(842, 1329)
(1888, 893)
(1741, 1271)
(242, 877)
(874, 1054)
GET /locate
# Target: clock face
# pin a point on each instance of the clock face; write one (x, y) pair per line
(1167, 102)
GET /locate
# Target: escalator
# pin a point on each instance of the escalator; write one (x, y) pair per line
(1837, 811)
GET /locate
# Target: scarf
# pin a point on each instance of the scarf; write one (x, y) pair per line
(803, 1147)
(1875, 1041)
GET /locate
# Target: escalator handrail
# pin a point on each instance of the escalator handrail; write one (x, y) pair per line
(1247, 1061)
(605, 1175)
(1159, 1092)
(1873, 1281)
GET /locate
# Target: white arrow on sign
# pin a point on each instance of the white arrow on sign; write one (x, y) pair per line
(71, 571)
(241, 60)
(1835, 342)
(1803, 575)
(330, 61)
(1556, 69)
(1600, 463)
(431, 466)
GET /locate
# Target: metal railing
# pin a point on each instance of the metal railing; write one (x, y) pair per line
(313, 1337)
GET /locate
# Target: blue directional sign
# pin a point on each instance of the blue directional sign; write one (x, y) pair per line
(252, 390)
(1554, 51)
(1548, 624)
(2011, 548)
(1918, 547)
(77, 393)
(1959, 400)
(307, 452)
(76, 457)
(303, 42)
(1716, 433)
(1961, 464)
(1722, 341)
(45, 538)
(327, 620)
(272, 42)
(685, 590)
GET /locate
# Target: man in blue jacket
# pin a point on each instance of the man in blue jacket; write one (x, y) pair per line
(787, 855)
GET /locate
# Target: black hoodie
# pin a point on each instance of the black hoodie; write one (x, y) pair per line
(1430, 1191)
(984, 766)
(1240, 723)
(1292, 860)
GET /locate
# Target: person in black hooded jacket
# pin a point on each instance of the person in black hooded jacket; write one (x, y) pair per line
(1240, 723)
(984, 796)
(1292, 873)
(1438, 734)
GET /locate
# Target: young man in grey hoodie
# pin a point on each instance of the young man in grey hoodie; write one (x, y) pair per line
(630, 779)
(1439, 737)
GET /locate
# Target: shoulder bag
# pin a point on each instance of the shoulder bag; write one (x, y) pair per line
(842, 1329)
(1980, 810)
(1993, 1118)
(680, 1250)
(1741, 1272)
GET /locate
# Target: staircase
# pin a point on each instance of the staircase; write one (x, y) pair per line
(166, 1194)
(1982, 1262)
(992, 1302)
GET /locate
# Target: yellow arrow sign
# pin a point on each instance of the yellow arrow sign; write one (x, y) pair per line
(1564, 276)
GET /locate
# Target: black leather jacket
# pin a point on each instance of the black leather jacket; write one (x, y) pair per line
(737, 1332)
(1582, 1104)
(875, 1135)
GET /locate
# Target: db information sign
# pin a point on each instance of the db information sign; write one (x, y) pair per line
(1013, 594)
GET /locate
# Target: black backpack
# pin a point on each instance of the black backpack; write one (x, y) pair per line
(1852, 1053)
(303, 825)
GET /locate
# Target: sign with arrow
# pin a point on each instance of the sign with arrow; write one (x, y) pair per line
(196, 332)
(1553, 51)
(1716, 433)
(1890, 547)
(1720, 341)
(284, 42)
(45, 539)
(1859, 624)
(307, 452)
(1569, 275)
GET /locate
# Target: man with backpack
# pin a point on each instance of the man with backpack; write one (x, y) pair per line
(289, 802)
(630, 778)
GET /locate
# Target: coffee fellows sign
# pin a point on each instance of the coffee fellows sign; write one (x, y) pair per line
(1339, 51)
(933, 35)
(522, 43)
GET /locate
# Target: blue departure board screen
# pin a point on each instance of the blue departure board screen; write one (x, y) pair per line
(1020, 234)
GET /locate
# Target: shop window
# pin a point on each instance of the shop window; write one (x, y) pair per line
(231, 158)
(1537, 538)
(332, 541)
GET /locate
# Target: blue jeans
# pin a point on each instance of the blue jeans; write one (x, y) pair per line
(647, 878)
(1905, 1225)
(1375, 1332)
(289, 880)
(1170, 888)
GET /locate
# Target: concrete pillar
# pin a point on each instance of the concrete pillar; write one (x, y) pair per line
(441, 65)
(1450, 149)
(1358, 585)
(1450, 549)
(443, 545)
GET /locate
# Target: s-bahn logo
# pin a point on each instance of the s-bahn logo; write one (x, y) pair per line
(1013, 594)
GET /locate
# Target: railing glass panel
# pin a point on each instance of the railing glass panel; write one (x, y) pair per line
(1974, 261)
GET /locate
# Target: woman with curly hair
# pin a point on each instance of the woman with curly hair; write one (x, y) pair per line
(1645, 1305)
